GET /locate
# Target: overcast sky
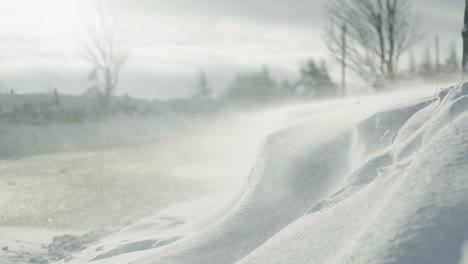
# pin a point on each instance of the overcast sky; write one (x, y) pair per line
(172, 40)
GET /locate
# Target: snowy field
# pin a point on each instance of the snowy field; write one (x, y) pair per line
(375, 179)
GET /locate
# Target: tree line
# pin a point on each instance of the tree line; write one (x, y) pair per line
(368, 38)
(372, 39)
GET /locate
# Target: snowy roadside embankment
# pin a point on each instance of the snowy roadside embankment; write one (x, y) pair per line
(406, 201)
(378, 179)
(392, 190)
(89, 188)
(344, 182)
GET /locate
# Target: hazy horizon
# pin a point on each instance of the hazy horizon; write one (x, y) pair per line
(39, 50)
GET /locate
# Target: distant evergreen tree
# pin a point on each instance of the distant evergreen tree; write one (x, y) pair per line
(202, 90)
(316, 80)
(253, 87)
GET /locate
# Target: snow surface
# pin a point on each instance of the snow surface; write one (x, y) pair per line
(378, 179)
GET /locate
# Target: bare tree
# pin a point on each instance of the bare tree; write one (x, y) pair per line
(379, 32)
(106, 50)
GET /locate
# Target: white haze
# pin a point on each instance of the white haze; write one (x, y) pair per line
(119, 179)
(190, 158)
(174, 40)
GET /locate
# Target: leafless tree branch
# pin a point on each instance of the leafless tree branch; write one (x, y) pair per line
(379, 32)
(106, 50)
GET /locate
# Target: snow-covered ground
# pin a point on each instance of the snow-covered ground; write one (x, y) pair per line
(376, 179)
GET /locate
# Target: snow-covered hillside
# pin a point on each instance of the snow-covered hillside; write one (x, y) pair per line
(392, 190)
(379, 179)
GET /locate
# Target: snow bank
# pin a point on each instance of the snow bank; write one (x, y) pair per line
(391, 188)
(406, 203)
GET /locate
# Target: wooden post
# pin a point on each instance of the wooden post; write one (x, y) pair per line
(343, 57)
(437, 48)
(465, 42)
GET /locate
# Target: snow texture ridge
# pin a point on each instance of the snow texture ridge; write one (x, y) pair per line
(390, 189)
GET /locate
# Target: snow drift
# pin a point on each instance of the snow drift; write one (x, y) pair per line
(392, 188)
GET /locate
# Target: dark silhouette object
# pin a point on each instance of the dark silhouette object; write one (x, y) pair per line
(56, 98)
(465, 41)
(437, 53)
